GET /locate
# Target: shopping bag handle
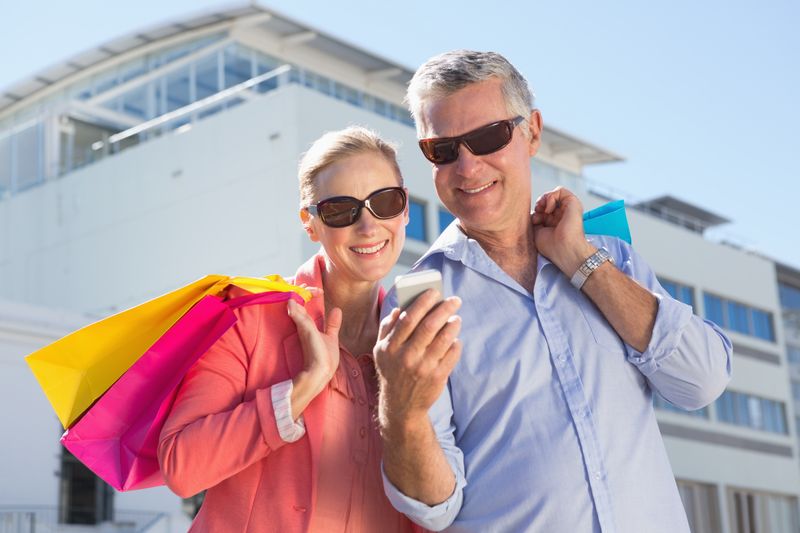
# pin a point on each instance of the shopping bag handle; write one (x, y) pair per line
(264, 298)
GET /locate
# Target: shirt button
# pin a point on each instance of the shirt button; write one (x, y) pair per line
(598, 475)
(362, 432)
(561, 358)
(361, 401)
(354, 373)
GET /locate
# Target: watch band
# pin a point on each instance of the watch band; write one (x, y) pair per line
(590, 265)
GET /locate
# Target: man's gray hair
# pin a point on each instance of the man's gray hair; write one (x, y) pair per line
(447, 73)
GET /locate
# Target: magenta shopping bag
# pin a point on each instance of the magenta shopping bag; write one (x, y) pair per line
(117, 438)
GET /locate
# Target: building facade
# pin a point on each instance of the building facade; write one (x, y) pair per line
(171, 153)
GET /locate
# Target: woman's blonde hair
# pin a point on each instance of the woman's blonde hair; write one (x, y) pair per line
(335, 146)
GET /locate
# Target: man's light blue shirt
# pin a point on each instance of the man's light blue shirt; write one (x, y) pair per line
(547, 420)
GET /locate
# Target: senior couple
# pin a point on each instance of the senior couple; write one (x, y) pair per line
(520, 402)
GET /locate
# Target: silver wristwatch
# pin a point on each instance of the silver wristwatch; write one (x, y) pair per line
(589, 266)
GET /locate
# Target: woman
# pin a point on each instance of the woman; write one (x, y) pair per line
(276, 421)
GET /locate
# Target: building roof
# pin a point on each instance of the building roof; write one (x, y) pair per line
(68, 71)
(684, 213)
(268, 18)
(586, 152)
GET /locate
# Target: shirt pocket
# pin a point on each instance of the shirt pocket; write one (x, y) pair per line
(602, 332)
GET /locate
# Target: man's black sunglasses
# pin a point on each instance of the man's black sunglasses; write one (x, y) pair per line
(342, 211)
(482, 141)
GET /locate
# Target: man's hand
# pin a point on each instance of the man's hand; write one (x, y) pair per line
(415, 353)
(558, 230)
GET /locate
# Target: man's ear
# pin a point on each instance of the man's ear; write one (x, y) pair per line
(534, 132)
(305, 218)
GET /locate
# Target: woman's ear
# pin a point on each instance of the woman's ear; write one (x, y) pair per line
(406, 217)
(305, 218)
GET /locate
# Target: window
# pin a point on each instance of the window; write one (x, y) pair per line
(790, 296)
(416, 222)
(445, 218)
(682, 293)
(700, 502)
(83, 498)
(796, 391)
(739, 317)
(757, 512)
(713, 307)
(752, 411)
(660, 403)
(793, 353)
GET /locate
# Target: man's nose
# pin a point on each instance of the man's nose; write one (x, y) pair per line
(467, 164)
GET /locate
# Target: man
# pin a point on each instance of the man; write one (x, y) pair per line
(539, 418)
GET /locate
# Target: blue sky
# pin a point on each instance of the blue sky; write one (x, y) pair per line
(699, 97)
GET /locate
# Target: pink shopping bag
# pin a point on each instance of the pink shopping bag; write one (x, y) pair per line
(117, 438)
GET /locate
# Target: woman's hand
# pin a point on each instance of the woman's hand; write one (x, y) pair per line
(320, 353)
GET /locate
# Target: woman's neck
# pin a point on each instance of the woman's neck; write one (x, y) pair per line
(360, 309)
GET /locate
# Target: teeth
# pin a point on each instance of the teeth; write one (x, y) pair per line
(479, 189)
(370, 250)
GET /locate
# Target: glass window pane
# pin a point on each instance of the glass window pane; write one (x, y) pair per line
(742, 409)
(686, 295)
(792, 352)
(725, 411)
(264, 65)
(713, 307)
(135, 103)
(5, 164)
(737, 317)
(178, 89)
(237, 66)
(780, 423)
(762, 324)
(28, 157)
(416, 223)
(206, 76)
(796, 390)
(670, 287)
(790, 296)
(445, 218)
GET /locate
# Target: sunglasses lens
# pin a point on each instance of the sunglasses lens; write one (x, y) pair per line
(438, 151)
(338, 213)
(489, 138)
(483, 141)
(388, 203)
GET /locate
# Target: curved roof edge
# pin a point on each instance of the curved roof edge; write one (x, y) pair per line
(18, 94)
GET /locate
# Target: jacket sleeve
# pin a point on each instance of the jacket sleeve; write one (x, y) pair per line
(212, 432)
(688, 360)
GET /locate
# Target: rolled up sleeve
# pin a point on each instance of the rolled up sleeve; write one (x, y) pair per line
(688, 359)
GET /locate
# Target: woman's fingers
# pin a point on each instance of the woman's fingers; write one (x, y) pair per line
(333, 322)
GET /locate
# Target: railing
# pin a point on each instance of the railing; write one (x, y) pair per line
(43, 519)
(195, 107)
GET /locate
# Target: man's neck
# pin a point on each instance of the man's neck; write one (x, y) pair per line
(513, 250)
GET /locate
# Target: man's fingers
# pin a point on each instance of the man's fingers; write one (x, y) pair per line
(409, 318)
(388, 323)
(444, 339)
(429, 327)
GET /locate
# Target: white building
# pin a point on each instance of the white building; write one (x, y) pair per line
(171, 153)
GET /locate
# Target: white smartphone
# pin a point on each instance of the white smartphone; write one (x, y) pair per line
(409, 286)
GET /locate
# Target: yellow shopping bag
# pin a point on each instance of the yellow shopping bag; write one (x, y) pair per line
(77, 369)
